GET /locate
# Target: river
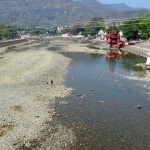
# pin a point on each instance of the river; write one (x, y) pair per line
(102, 109)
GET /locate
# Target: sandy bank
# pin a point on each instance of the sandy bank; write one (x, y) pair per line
(71, 45)
(25, 90)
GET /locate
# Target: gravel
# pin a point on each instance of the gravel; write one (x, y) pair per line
(27, 99)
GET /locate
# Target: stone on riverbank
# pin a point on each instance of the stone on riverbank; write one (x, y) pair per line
(142, 66)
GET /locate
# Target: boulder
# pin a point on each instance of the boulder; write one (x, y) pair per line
(140, 66)
(139, 106)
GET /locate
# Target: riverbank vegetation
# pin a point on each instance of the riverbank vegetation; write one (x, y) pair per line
(136, 28)
(91, 28)
(8, 32)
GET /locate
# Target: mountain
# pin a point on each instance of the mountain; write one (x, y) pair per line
(97, 6)
(63, 12)
(41, 11)
(118, 7)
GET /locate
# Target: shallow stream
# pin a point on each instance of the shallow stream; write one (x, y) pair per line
(102, 107)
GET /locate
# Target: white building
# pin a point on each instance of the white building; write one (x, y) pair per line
(102, 34)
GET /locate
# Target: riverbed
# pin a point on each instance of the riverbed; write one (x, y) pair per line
(92, 104)
(102, 109)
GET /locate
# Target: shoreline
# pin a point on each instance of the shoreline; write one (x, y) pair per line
(28, 101)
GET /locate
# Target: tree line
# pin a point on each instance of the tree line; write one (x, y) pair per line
(132, 29)
(92, 28)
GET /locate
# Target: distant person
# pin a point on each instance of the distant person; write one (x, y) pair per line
(52, 83)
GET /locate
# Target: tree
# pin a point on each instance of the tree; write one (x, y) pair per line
(136, 28)
(77, 28)
(9, 32)
(94, 26)
(66, 30)
(97, 19)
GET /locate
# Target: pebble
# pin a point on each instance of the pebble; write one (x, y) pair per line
(91, 89)
(37, 116)
(139, 106)
(28, 144)
(16, 143)
(58, 115)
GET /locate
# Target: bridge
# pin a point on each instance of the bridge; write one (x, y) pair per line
(141, 49)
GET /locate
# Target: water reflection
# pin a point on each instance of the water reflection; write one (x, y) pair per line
(112, 65)
(112, 56)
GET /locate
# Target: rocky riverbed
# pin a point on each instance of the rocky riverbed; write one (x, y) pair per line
(27, 104)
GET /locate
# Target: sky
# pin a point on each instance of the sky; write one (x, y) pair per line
(132, 3)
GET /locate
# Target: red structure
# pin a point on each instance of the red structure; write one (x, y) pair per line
(115, 52)
(113, 39)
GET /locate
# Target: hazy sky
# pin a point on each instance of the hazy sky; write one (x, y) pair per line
(132, 3)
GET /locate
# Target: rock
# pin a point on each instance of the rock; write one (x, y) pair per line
(54, 113)
(140, 66)
(101, 101)
(91, 89)
(148, 67)
(58, 115)
(71, 92)
(16, 143)
(28, 144)
(37, 116)
(79, 95)
(63, 102)
(139, 106)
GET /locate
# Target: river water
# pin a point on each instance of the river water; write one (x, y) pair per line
(102, 107)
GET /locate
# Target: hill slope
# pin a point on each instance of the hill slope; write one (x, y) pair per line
(37, 12)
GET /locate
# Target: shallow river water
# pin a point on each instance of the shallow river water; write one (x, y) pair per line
(102, 107)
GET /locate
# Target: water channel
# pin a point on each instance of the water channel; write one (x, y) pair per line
(102, 108)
